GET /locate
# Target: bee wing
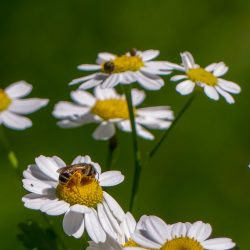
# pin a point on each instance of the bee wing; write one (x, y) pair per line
(66, 168)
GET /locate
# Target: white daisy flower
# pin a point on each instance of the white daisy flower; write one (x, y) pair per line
(75, 191)
(12, 106)
(156, 234)
(134, 66)
(207, 78)
(119, 235)
(108, 108)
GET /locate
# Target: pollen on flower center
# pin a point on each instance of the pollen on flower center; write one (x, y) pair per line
(182, 243)
(111, 109)
(201, 75)
(81, 189)
(5, 101)
(122, 64)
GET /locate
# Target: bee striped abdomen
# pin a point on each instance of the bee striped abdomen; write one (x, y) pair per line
(64, 177)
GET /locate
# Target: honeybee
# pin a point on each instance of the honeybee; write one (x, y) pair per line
(109, 67)
(67, 172)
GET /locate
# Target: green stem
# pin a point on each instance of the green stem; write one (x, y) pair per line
(137, 160)
(164, 136)
(10, 153)
(112, 145)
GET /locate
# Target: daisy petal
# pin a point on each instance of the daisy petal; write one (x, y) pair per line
(178, 78)
(55, 207)
(144, 133)
(67, 109)
(73, 223)
(83, 79)
(93, 227)
(114, 206)
(104, 131)
(138, 96)
(15, 121)
(104, 57)
(186, 87)
(218, 244)
(149, 54)
(89, 67)
(18, 89)
(211, 92)
(111, 178)
(83, 98)
(227, 96)
(187, 60)
(111, 81)
(147, 82)
(103, 94)
(27, 106)
(220, 69)
(228, 86)
(199, 231)
(179, 230)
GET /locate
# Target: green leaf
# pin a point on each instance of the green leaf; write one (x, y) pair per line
(34, 237)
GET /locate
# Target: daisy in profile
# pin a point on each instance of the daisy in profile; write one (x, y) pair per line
(76, 191)
(109, 109)
(13, 106)
(134, 66)
(119, 235)
(156, 234)
(209, 78)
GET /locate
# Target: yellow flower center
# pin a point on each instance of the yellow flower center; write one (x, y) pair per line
(111, 109)
(201, 75)
(5, 101)
(81, 189)
(182, 243)
(122, 64)
(131, 243)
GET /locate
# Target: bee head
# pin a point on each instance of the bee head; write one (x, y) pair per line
(133, 52)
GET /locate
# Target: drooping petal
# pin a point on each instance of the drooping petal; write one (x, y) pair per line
(138, 97)
(186, 87)
(104, 131)
(83, 79)
(148, 81)
(111, 81)
(15, 121)
(211, 92)
(227, 96)
(114, 206)
(73, 223)
(93, 227)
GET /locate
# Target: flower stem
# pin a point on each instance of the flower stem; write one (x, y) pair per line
(10, 153)
(137, 160)
(164, 136)
(112, 145)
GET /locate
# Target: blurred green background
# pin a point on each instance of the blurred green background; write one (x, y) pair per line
(201, 172)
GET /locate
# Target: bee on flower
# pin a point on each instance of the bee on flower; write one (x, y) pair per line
(134, 66)
(13, 106)
(75, 190)
(109, 109)
(209, 78)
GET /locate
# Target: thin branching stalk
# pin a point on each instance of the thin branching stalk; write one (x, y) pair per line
(164, 136)
(137, 160)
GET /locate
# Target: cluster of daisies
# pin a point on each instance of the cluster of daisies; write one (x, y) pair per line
(76, 190)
